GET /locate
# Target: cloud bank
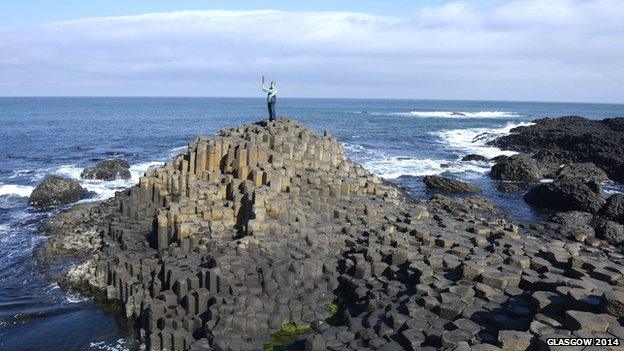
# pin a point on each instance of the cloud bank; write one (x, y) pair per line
(568, 50)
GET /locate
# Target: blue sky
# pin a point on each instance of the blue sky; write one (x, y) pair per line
(535, 50)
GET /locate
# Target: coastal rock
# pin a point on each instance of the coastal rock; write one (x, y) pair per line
(584, 172)
(518, 167)
(438, 183)
(610, 231)
(614, 208)
(55, 190)
(108, 170)
(475, 157)
(509, 187)
(270, 228)
(83, 279)
(567, 195)
(573, 138)
(75, 232)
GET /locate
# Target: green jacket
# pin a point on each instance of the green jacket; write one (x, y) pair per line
(271, 92)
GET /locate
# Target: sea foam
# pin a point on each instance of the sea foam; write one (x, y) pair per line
(457, 114)
(474, 140)
(16, 190)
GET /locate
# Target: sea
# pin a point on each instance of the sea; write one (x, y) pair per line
(399, 140)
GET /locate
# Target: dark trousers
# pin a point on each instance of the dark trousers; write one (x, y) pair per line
(272, 109)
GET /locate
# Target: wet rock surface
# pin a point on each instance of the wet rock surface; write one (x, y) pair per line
(108, 170)
(572, 139)
(443, 184)
(264, 225)
(56, 191)
(566, 195)
(475, 157)
(518, 167)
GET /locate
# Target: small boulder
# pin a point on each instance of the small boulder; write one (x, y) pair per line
(499, 158)
(610, 231)
(614, 208)
(518, 167)
(108, 170)
(438, 183)
(613, 302)
(55, 190)
(475, 157)
(509, 187)
(576, 224)
(566, 195)
(584, 172)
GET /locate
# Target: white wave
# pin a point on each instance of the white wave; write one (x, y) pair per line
(178, 150)
(393, 167)
(106, 189)
(16, 190)
(473, 140)
(457, 114)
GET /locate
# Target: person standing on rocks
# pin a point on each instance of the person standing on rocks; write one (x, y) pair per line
(271, 98)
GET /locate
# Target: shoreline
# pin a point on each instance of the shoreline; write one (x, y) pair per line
(445, 209)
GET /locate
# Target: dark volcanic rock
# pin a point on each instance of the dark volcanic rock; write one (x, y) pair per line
(610, 231)
(75, 232)
(584, 172)
(475, 157)
(574, 139)
(56, 191)
(269, 227)
(509, 187)
(614, 208)
(518, 168)
(108, 170)
(438, 183)
(565, 195)
(499, 158)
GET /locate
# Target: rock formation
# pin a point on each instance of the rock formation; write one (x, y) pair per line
(572, 139)
(265, 225)
(475, 157)
(108, 170)
(518, 167)
(443, 184)
(56, 191)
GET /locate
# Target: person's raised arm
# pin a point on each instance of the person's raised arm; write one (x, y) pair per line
(263, 88)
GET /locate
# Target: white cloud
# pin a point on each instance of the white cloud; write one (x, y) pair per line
(535, 50)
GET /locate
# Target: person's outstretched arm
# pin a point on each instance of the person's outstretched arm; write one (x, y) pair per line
(263, 88)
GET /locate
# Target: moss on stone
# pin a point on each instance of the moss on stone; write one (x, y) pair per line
(283, 337)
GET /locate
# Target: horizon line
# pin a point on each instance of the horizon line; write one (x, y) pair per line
(310, 98)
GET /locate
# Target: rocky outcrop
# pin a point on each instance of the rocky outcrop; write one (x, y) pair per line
(518, 167)
(108, 170)
(76, 232)
(261, 227)
(614, 208)
(475, 157)
(610, 231)
(572, 139)
(55, 190)
(584, 172)
(437, 183)
(566, 195)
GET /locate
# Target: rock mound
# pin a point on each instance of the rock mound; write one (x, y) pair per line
(572, 138)
(614, 208)
(475, 157)
(108, 170)
(566, 195)
(518, 167)
(55, 190)
(438, 183)
(584, 172)
(269, 226)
